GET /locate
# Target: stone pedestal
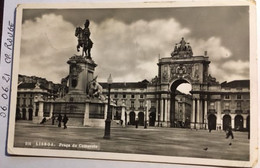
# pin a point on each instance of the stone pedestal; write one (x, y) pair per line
(80, 74)
(92, 121)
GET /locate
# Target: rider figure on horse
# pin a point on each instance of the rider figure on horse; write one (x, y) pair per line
(83, 39)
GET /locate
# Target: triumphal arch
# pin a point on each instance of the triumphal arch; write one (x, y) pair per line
(183, 67)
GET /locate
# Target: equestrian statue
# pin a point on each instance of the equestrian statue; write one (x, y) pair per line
(83, 40)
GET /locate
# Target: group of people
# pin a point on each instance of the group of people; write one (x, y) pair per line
(61, 119)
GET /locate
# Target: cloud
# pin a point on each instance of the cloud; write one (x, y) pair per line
(230, 70)
(128, 51)
(213, 45)
(223, 66)
(46, 45)
(238, 66)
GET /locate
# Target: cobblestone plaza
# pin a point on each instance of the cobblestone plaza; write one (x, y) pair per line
(174, 142)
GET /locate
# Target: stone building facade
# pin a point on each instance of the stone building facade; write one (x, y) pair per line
(211, 105)
(29, 88)
(134, 97)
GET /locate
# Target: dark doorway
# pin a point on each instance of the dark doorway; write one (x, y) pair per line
(248, 123)
(24, 113)
(238, 122)
(30, 114)
(226, 121)
(132, 118)
(212, 122)
(141, 118)
(125, 118)
(152, 118)
(18, 114)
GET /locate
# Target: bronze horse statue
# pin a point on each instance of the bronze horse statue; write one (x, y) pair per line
(84, 41)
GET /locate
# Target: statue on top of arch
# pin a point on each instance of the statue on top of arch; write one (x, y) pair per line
(182, 50)
(211, 80)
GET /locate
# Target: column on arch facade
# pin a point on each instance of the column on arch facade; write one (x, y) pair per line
(165, 109)
(244, 121)
(27, 113)
(161, 110)
(183, 111)
(127, 118)
(219, 123)
(148, 107)
(123, 115)
(193, 113)
(198, 114)
(233, 121)
(206, 113)
(168, 113)
(51, 110)
(157, 111)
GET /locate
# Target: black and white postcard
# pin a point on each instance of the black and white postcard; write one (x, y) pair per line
(168, 82)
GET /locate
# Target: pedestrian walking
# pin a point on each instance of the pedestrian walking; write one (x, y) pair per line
(136, 123)
(210, 128)
(43, 121)
(65, 120)
(53, 119)
(229, 132)
(59, 119)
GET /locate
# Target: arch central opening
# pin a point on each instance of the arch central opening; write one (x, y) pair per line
(181, 104)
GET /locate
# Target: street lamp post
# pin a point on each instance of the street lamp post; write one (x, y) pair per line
(108, 119)
(145, 120)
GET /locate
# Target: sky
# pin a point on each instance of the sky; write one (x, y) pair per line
(128, 42)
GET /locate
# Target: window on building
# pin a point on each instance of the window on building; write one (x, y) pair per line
(124, 96)
(227, 97)
(226, 106)
(239, 105)
(141, 103)
(115, 96)
(116, 102)
(31, 100)
(153, 103)
(239, 96)
(132, 104)
(212, 105)
(141, 96)
(132, 96)
(37, 109)
(46, 109)
(24, 101)
(31, 95)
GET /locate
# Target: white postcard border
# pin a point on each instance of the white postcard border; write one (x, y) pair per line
(139, 157)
